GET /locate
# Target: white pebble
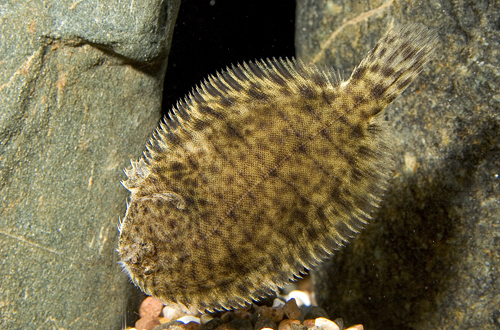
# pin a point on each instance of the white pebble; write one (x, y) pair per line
(278, 303)
(171, 313)
(326, 324)
(189, 318)
(301, 298)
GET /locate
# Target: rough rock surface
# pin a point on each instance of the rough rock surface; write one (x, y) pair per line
(81, 86)
(430, 259)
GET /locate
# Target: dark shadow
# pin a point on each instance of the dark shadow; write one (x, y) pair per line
(393, 274)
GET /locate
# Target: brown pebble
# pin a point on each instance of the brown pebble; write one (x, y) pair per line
(292, 311)
(309, 323)
(147, 323)
(150, 307)
(243, 313)
(326, 324)
(191, 326)
(228, 316)
(275, 314)
(286, 324)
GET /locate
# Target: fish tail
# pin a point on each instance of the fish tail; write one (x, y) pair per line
(393, 64)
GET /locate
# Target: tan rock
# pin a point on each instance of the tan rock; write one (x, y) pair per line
(292, 311)
(286, 324)
(275, 314)
(356, 327)
(326, 324)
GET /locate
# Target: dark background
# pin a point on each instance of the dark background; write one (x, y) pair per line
(212, 34)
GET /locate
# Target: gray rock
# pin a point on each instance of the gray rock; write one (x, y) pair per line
(241, 324)
(264, 322)
(314, 312)
(75, 106)
(212, 324)
(430, 259)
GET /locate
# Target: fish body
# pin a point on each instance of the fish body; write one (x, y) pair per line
(261, 172)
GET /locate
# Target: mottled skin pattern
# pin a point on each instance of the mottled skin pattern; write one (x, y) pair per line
(260, 173)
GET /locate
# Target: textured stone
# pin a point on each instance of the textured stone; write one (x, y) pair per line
(314, 312)
(286, 324)
(326, 324)
(275, 314)
(150, 307)
(75, 105)
(264, 322)
(295, 326)
(430, 260)
(147, 323)
(211, 325)
(292, 311)
(241, 324)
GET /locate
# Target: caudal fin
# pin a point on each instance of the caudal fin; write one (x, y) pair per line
(394, 63)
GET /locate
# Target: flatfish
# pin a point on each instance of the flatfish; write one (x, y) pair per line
(261, 172)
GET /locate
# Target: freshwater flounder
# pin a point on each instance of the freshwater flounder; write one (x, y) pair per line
(262, 172)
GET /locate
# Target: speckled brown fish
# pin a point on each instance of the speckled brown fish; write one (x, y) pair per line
(261, 172)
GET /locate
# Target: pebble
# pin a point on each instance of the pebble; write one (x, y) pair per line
(286, 324)
(264, 322)
(340, 322)
(172, 313)
(309, 323)
(356, 327)
(189, 318)
(172, 325)
(291, 310)
(150, 307)
(147, 323)
(298, 327)
(191, 326)
(315, 312)
(225, 326)
(278, 303)
(275, 314)
(213, 324)
(205, 318)
(303, 299)
(241, 324)
(326, 324)
(243, 313)
(228, 316)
